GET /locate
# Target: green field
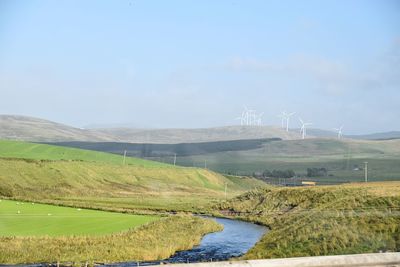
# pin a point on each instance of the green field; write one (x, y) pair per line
(106, 184)
(25, 150)
(340, 157)
(153, 241)
(33, 219)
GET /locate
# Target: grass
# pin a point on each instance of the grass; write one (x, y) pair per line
(25, 150)
(339, 157)
(353, 218)
(33, 219)
(104, 184)
(154, 241)
(96, 184)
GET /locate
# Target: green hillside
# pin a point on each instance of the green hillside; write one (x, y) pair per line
(36, 173)
(344, 159)
(99, 180)
(356, 218)
(17, 149)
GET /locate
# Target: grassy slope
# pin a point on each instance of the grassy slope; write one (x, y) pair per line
(17, 149)
(154, 241)
(17, 127)
(353, 218)
(339, 157)
(97, 179)
(33, 219)
(34, 129)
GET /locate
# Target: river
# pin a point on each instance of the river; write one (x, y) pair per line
(235, 240)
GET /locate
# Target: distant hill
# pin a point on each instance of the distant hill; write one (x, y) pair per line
(33, 129)
(25, 128)
(160, 150)
(38, 130)
(313, 132)
(174, 136)
(377, 136)
(374, 136)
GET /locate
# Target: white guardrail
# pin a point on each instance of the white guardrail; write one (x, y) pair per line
(391, 259)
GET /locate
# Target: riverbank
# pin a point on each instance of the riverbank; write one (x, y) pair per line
(154, 241)
(313, 221)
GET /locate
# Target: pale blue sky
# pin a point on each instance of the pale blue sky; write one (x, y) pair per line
(196, 63)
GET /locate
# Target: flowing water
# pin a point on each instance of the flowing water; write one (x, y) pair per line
(235, 240)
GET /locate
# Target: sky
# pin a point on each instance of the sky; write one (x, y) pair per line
(191, 64)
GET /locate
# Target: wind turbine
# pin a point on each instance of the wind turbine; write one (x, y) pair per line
(287, 116)
(243, 118)
(303, 129)
(259, 116)
(339, 132)
(252, 117)
(283, 118)
(246, 115)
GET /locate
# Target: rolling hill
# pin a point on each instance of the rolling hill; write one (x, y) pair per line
(95, 179)
(175, 136)
(378, 136)
(161, 150)
(14, 127)
(343, 159)
(26, 128)
(25, 150)
(329, 220)
(319, 133)
(38, 130)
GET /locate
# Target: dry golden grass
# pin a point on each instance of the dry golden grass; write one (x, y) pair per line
(154, 241)
(322, 220)
(390, 188)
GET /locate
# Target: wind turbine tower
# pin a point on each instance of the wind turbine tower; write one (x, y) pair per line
(283, 118)
(287, 116)
(303, 129)
(259, 118)
(339, 132)
(250, 117)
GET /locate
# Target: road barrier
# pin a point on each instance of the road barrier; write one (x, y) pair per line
(391, 259)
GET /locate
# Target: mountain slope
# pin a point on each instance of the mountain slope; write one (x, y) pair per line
(33, 129)
(161, 150)
(39, 130)
(25, 150)
(101, 180)
(343, 159)
(174, 136)
(378, 136)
